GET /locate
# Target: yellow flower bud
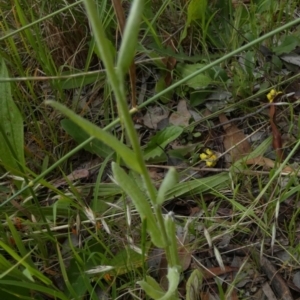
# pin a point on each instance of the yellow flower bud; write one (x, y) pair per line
(209, 157)
(272, 94)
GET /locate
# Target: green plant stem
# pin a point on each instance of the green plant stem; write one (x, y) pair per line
(160, 219)
(117, 83)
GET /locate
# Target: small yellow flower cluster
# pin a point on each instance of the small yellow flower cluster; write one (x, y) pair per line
(209, 157)
(272, 94)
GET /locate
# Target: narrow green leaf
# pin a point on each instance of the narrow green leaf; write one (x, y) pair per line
(35, 287)
(16, 293)
(169, 182)
(7, 268)
(11, 125)
(69, 288)
(130, 35)
(22, 261)
(28, 275)
(101, 42)
(170, 229)
(194, 285)
(18, 241)
(79, 135)
(140, 202)
(199, 185)
(127, 155)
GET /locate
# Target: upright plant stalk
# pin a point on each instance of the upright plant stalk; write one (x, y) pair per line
(116, 79)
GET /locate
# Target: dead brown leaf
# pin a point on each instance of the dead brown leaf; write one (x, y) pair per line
(234, 137)
(185, 257)
(154, 115)
(163, 272)
(75, 175)
(205, 295)
(234, 295)
(156, 174)
(278, 285)
(217, 271)
(170, 63)
(182, 116)
(296, 281)
(267, 163)
(268, 291)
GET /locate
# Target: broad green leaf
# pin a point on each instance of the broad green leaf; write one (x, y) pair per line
(218, 74)
(79, 135)
(127, 155)
(200, 81)
(11, 127)
(161, 140)
(140, 202)
(152, 288)
(199, 97)
(287, 45)
(196, 11)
